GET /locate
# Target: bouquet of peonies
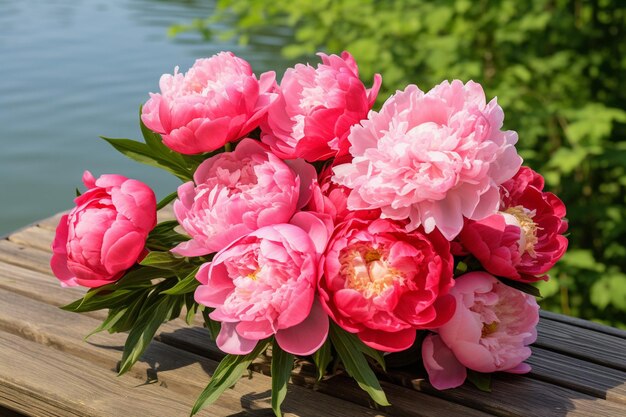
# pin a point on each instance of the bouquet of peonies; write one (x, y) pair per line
(312, 225)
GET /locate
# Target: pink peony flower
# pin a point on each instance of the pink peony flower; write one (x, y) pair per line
(332, 199)
(316, 108)
(490, 331)
(524, 240)
(236, 193)
(264, 284)
(383, 283)
(217, 101)
(431, 158)
(105, 233)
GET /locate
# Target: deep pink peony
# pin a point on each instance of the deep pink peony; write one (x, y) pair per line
(490, 331)
(264, 284)
(332, 199)
(432, 158)
(236, 193)
(217, 101)
(524, 240)
(316, 108)
(105, 233)
(383, 283)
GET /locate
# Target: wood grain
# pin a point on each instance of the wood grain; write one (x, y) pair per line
(590, 378)
(515, 396)
(182, 372)
(34, 237)
(589, 345)
(585, 324)
(25, 256)
(50, 383)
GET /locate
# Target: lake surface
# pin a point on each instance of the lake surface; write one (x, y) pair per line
(72, 70)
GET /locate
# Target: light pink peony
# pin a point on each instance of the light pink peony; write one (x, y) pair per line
(236, 193)
(524, 239)
(490, 331)
(105, 233)
(316, 108)
(264, 284)
(431, 158)
(383, 283)
(217, 101)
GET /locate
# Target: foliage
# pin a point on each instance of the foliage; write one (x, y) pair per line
(555, 66)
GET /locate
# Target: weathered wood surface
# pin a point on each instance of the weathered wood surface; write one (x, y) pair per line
(47, 369)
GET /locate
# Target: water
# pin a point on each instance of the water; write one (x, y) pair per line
(72, 70)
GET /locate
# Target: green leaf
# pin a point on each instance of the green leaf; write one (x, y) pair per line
(186, 285)
(166, 200)
(155, 312)
(118, 293)
(165, 260)
(192, 308)
(213, 326)
(480, 380)
(142, 153)
(99, 301)
(226, 375)
(322, 357)
(138, 277)
(522, 286)
(126, 322)
(163, 237)
(355, 363)
(114, 316)
(282, 364)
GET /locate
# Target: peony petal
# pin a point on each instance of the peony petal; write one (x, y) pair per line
(308, 336)
(444, 370)
(317, 229)
(229, 341)
(388, 341)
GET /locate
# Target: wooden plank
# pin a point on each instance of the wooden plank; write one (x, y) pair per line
(37, 285)
(515, 396)
(25, 256)
(585, 324)
(182, 372)
(585, 344)
(582, 376)
(34, 237)
(50, 223)
(46, 382)
(63, 330)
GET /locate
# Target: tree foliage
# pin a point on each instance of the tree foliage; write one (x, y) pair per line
(557, 68)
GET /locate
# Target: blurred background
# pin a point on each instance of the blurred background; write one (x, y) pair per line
(73, 70)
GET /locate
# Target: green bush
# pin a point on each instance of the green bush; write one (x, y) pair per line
(556, 67)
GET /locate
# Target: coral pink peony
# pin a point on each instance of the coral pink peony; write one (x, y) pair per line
(105, 233)
(264, 284)
(383, 283)
(236, 193)
(316, 108)
(524, 240)
(490, 331)
(217, 101)
(431, 158)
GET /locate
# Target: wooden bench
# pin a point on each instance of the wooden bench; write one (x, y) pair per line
(47, 369)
